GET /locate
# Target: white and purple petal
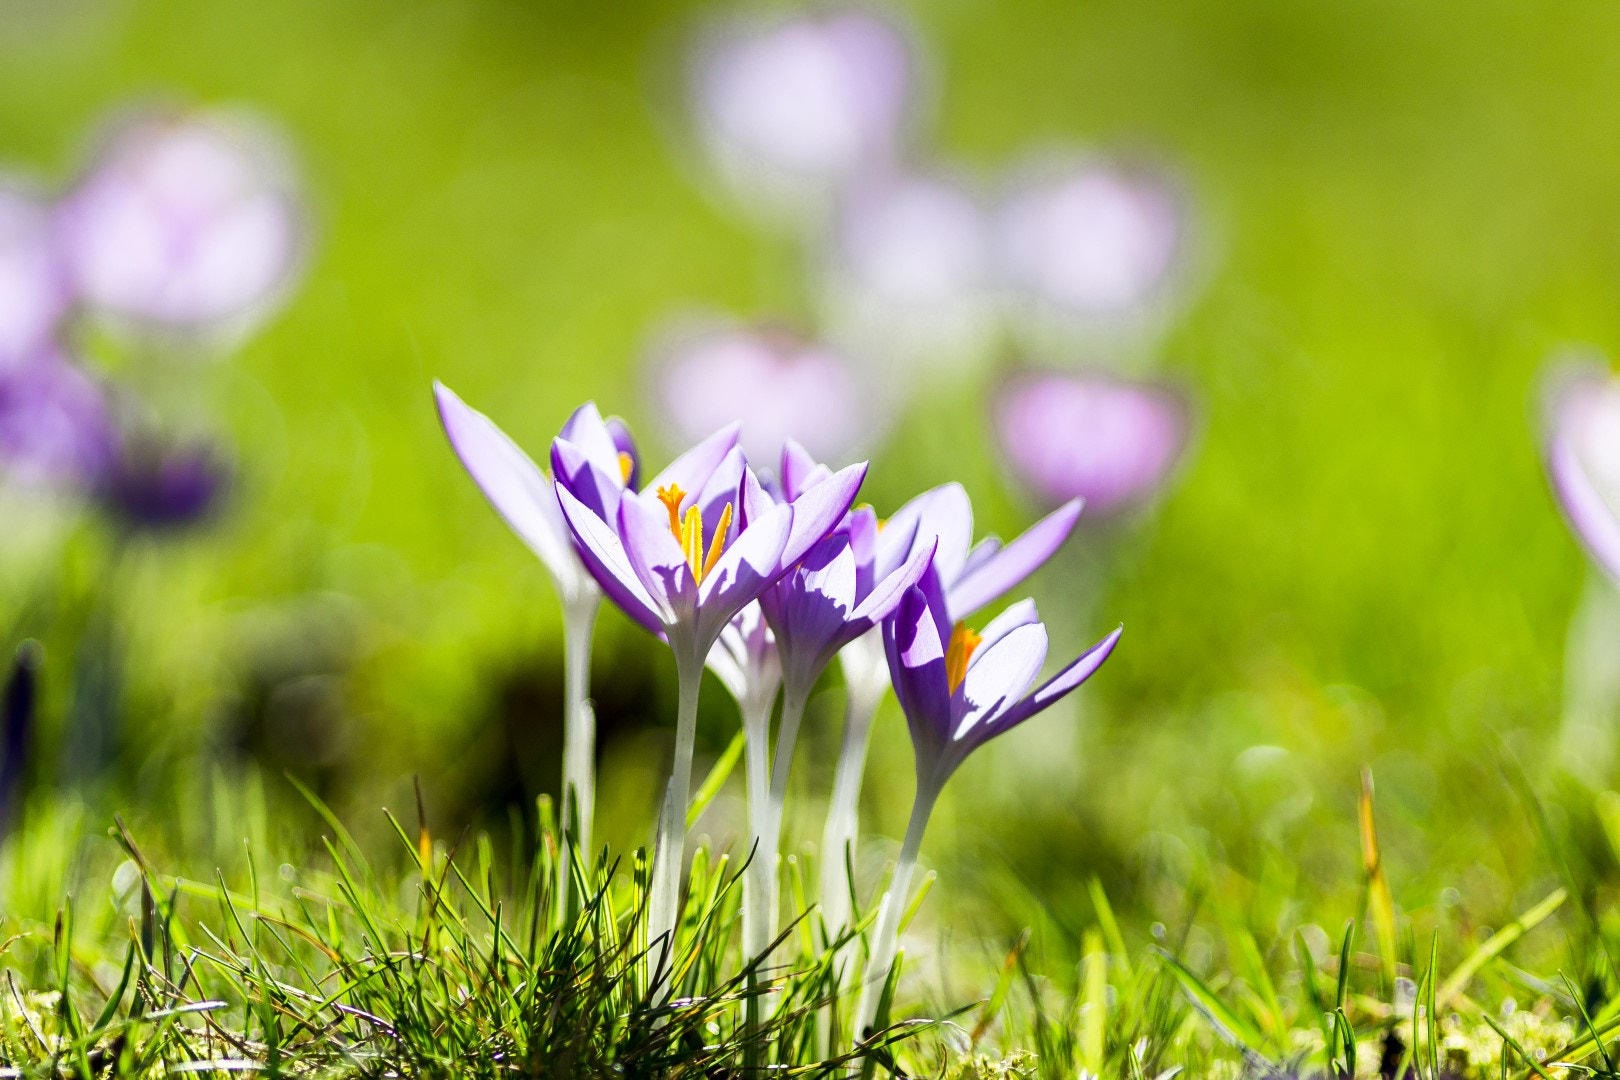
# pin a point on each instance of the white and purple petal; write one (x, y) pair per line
(992, 572)
(603, 554)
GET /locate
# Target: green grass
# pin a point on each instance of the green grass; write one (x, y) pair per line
(447, 957)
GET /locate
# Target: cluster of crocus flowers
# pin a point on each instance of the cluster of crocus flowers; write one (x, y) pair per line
(183, 230)
(766, 578)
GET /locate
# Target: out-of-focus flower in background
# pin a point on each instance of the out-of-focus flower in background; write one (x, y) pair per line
(779, 385)
(153, 482)
(1583, 459)
(54, 426)
(791, 109)
(184, 221)
(907, 276)
(1106, 440)
(34, 293)
(1087, 247)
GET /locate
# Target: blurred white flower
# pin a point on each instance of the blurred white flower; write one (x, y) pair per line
(1087, 248)
(34, 292)
(793, 108)
(185, 222)
(780, 386)
(907, 277)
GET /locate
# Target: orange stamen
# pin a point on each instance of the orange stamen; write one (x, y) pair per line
(718, 544)
(671, 497)
(627, 465)
(958, 653)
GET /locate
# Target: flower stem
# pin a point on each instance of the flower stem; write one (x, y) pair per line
(886, 939)
(757, 887)
(787, 733)
(669, 852)
(579, 738)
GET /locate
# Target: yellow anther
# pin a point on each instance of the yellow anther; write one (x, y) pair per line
(671, 497)
(692, 540)
(627, 465)
(718, 544)
(957, 654)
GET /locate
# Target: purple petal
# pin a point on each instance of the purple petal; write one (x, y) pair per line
(723, 489)
(587, 430)
(656, 558)
(512, 483)
(1583, 462)
(809, 608)
(1059, 685)
(625, 444)
(34, 292)
(1098, 438)
(574, 469)
(1020, 614)
(885, 597)
(995, 574)
(818, 511)
(944, 512)
(916, 655)
(757, 499)
(691, 471)
(800, 470)
(1000, 673)
(55, 431)
(604, 556)
(748, 567)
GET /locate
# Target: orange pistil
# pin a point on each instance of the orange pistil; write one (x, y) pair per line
(627, 465)
(688, 532)
(957, 654)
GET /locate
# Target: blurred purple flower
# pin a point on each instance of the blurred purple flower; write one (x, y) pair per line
(1091, 241)
(152, 483)
(907, 275)
(793, 108)
(54, 427)
(34, 291)
(184, 222)
(1092, 437)
(779, 386)
(1583, 459)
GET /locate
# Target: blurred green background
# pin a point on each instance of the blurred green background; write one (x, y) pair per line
(1402, 210)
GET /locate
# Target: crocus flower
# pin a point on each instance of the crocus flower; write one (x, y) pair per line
(1089, 243)
(958, 689)
(1108, 441)
(683, 561)
(830, 597)
(1583, 460)
(184, 222)
(153, 483)
(34, 292)
(906, 276)
(54, 428)
(781, 387)
(525, 498)
(970, 576)
(790, 110)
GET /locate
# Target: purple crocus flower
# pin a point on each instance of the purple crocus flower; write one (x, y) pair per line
(907, 273)
(1105, 440)
(153, 483)
(684, 561)
(793, 108)
(1090, 241)
(525, 498)
(184, 222)
(958, 689)
(777, 384)
(34, 292)
(54, 426)
(1583, 460)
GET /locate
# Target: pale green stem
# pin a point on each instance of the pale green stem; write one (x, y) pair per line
(757, 881)
(787, 733)
(669, 852)
(838, 840)
(843, 813)
(886, 939)
(579, 736)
